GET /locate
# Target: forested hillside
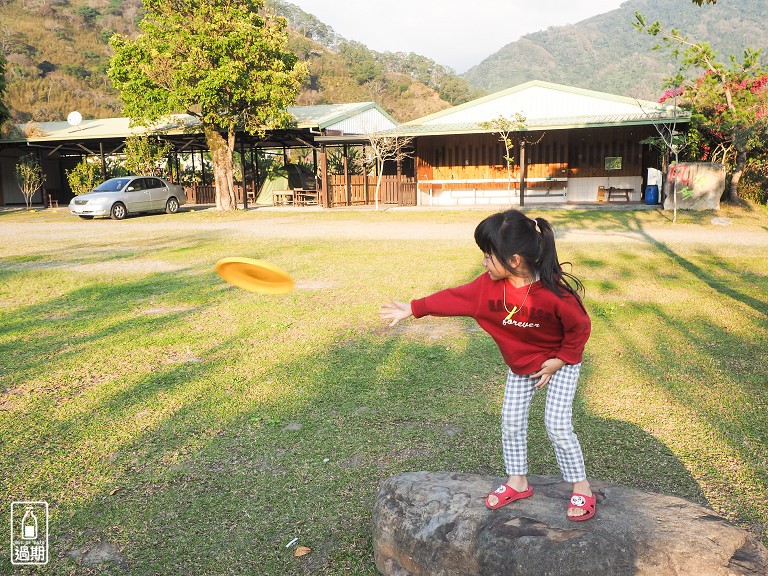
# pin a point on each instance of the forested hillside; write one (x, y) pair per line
(58, 53)
(606, 53)
(406, 85)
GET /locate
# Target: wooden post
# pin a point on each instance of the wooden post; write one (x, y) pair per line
(523, 172)
(366, 193)
(255, 163)
(103, 161)
(314, 166)
(242, 169)
(347, 185)
(398, 188)
(325, 184)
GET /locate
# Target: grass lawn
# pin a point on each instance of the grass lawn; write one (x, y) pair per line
(178, 425)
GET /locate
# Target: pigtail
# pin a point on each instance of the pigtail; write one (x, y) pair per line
(549, 267)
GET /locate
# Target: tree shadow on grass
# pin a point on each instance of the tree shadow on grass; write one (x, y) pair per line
(222, 483)
(98, 311)
(722, 284)
(619, 220)
(705, 374)
(716, 379)
(229, 466)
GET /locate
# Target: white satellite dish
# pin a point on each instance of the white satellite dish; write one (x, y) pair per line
(74, 118)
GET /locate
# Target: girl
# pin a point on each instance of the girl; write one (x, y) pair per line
(532, 310)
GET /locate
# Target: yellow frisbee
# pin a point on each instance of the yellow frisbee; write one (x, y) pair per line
(254, 275)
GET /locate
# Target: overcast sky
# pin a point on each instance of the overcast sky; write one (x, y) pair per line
(455, 33)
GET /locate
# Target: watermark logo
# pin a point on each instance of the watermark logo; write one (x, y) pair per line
(29, 533)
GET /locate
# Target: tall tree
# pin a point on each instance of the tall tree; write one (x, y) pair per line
(729, 102)
(5, 114)
(224, 62)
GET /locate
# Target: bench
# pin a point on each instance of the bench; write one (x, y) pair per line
(304, 197)
(282, 198)
(619, 192)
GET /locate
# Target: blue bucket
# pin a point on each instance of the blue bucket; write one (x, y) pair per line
(652, 194)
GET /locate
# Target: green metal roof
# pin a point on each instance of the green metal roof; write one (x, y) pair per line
(306, 117)
(324, 115)
(546, 105)
(542, 124)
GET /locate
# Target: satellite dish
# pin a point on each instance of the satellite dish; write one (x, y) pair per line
(74, 118)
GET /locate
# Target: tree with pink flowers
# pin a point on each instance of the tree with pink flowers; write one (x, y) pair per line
(729, 103)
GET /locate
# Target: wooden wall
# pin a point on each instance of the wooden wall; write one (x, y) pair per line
(573, 153)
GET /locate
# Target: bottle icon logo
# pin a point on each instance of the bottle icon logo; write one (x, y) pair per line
(29, 524)
(29, 533)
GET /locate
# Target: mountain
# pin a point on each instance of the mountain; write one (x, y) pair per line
(58, 53)
(606, 53)
(407, 85)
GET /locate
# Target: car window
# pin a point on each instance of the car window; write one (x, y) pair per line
(155, 183)
(111, 185)
(136, 185)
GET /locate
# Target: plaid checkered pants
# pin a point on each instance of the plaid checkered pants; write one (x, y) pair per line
(518, 394)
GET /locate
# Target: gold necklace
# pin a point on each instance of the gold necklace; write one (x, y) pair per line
(515, 309)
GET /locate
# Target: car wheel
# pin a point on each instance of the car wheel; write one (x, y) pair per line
(118, 211)
(86, 217)
(172, 205)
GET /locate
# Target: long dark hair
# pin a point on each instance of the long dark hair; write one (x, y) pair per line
(505, 234)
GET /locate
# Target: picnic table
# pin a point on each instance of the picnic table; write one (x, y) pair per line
(295, 197)
(282, 197)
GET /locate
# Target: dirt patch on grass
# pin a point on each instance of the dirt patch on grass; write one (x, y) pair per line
(433, 329)
(126, 267)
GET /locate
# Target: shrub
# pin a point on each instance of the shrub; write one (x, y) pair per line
(88, 14)
(147, 155)
(754, 188)
(84, 177)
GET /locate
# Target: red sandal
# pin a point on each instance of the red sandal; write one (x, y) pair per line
(506, 495)
(582, 502)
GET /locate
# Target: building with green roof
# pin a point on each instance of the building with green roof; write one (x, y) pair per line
(575, 145)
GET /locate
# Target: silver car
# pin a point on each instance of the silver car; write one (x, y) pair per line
(118, 197)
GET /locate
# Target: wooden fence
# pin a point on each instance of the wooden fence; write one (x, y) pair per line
(197, 194)
(361, 190)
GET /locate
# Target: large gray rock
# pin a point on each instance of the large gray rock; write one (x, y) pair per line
(436, 524)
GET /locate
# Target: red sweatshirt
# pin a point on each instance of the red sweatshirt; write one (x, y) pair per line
(547, 326)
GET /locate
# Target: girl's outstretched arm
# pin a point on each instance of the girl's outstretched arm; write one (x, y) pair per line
(395, 311)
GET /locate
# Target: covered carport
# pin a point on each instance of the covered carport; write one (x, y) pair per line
(60, 146)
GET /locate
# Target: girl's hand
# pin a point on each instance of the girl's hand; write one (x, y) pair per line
(395, 311)
(548, 367)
